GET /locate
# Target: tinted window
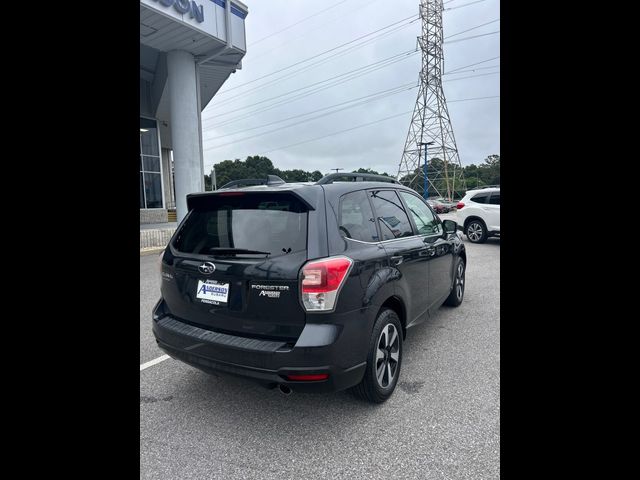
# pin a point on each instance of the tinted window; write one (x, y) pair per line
(264, 223)
(153, 190)
(495, 198)
(392, 218)
(356, 217)
(422, 216)
(480, 198)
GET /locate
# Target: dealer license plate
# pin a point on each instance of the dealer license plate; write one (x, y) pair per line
(210, 291)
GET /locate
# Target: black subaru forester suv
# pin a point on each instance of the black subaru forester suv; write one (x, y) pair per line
(308, 287)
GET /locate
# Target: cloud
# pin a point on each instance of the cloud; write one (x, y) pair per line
(476, 124)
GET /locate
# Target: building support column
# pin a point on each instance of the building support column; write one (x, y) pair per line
(185, 127)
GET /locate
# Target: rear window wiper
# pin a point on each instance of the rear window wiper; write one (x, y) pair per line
(224, 250)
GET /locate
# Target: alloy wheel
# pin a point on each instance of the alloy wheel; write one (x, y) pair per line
(387, 355)
(474, 231)
(460, 281)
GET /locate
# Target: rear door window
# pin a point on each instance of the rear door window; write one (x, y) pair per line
(391, 215)
(265, 223)
(356, 217)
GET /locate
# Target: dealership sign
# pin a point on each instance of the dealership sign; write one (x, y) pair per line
(203, 16)
(194, 10)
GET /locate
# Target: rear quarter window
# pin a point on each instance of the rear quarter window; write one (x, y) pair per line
(356, 217)
(480, 198)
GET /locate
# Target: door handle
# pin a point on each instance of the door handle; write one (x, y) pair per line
(396, 260)
(427, 252)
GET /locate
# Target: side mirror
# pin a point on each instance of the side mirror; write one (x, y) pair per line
(449, 226)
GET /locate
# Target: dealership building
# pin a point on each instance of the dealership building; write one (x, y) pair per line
(188, 49)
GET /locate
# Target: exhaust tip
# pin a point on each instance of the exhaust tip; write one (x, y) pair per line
(285, 390)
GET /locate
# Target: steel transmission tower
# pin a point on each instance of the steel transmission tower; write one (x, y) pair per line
(430, 121)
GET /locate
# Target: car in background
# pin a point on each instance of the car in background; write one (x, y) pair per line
(451, 205)
(478, 214)
(438, 207)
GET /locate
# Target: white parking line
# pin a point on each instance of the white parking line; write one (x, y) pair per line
(153, 362)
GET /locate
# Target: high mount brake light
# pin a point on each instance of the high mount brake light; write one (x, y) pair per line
(321, 282)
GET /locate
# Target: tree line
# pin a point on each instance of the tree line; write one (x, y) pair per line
(486, 173)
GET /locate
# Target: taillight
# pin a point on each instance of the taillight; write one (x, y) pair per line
(321, 282)
(459, 205)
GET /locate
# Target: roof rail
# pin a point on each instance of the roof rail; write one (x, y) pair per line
(246, 182)
(355, 177)
(484, 186)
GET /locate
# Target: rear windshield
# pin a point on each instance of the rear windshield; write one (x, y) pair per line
(264, 223)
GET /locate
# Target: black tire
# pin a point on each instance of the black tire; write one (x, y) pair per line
(478, 231)
(457, 292)
(370, 388)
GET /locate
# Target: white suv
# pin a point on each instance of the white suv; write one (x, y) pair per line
(478, 214)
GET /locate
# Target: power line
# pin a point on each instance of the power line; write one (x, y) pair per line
(471, 76)
(475, 36)
(470, 70)
(402, 87)
(472, 28)
(229, 100)
(310, 66)
(358, 72)
(305, 94)
(298, 22)
(294, 124)
(362, 125)
(337, 133)
(306, 32)
(473, 64)
(465, 5)
(320, 54)
(474, 98)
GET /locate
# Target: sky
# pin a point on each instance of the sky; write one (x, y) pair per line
(270, 104)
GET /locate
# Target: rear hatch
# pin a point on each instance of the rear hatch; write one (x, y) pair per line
(233, 265)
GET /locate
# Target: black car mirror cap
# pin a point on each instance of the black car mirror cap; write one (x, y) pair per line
(449, 226)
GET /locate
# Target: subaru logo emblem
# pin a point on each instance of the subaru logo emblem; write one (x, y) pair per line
(207, 268)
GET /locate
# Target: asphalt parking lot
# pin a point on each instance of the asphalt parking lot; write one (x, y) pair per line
(443, 421)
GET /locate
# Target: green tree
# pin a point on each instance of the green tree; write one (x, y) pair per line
(369, 170)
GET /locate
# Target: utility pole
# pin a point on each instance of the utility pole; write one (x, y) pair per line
(425, 191)
(214, 185)
(430, 115)
(336, 169)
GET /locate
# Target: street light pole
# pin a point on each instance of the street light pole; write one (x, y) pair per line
(425, 192)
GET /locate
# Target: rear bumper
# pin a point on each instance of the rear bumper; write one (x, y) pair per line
(326, 349)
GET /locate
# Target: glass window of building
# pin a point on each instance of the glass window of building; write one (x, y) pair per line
(150, 176)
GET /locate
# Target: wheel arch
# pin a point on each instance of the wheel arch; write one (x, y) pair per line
(473, 217)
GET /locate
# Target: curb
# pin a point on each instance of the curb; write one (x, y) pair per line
(150, 250)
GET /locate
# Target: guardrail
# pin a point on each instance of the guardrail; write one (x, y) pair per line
(155, 237)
